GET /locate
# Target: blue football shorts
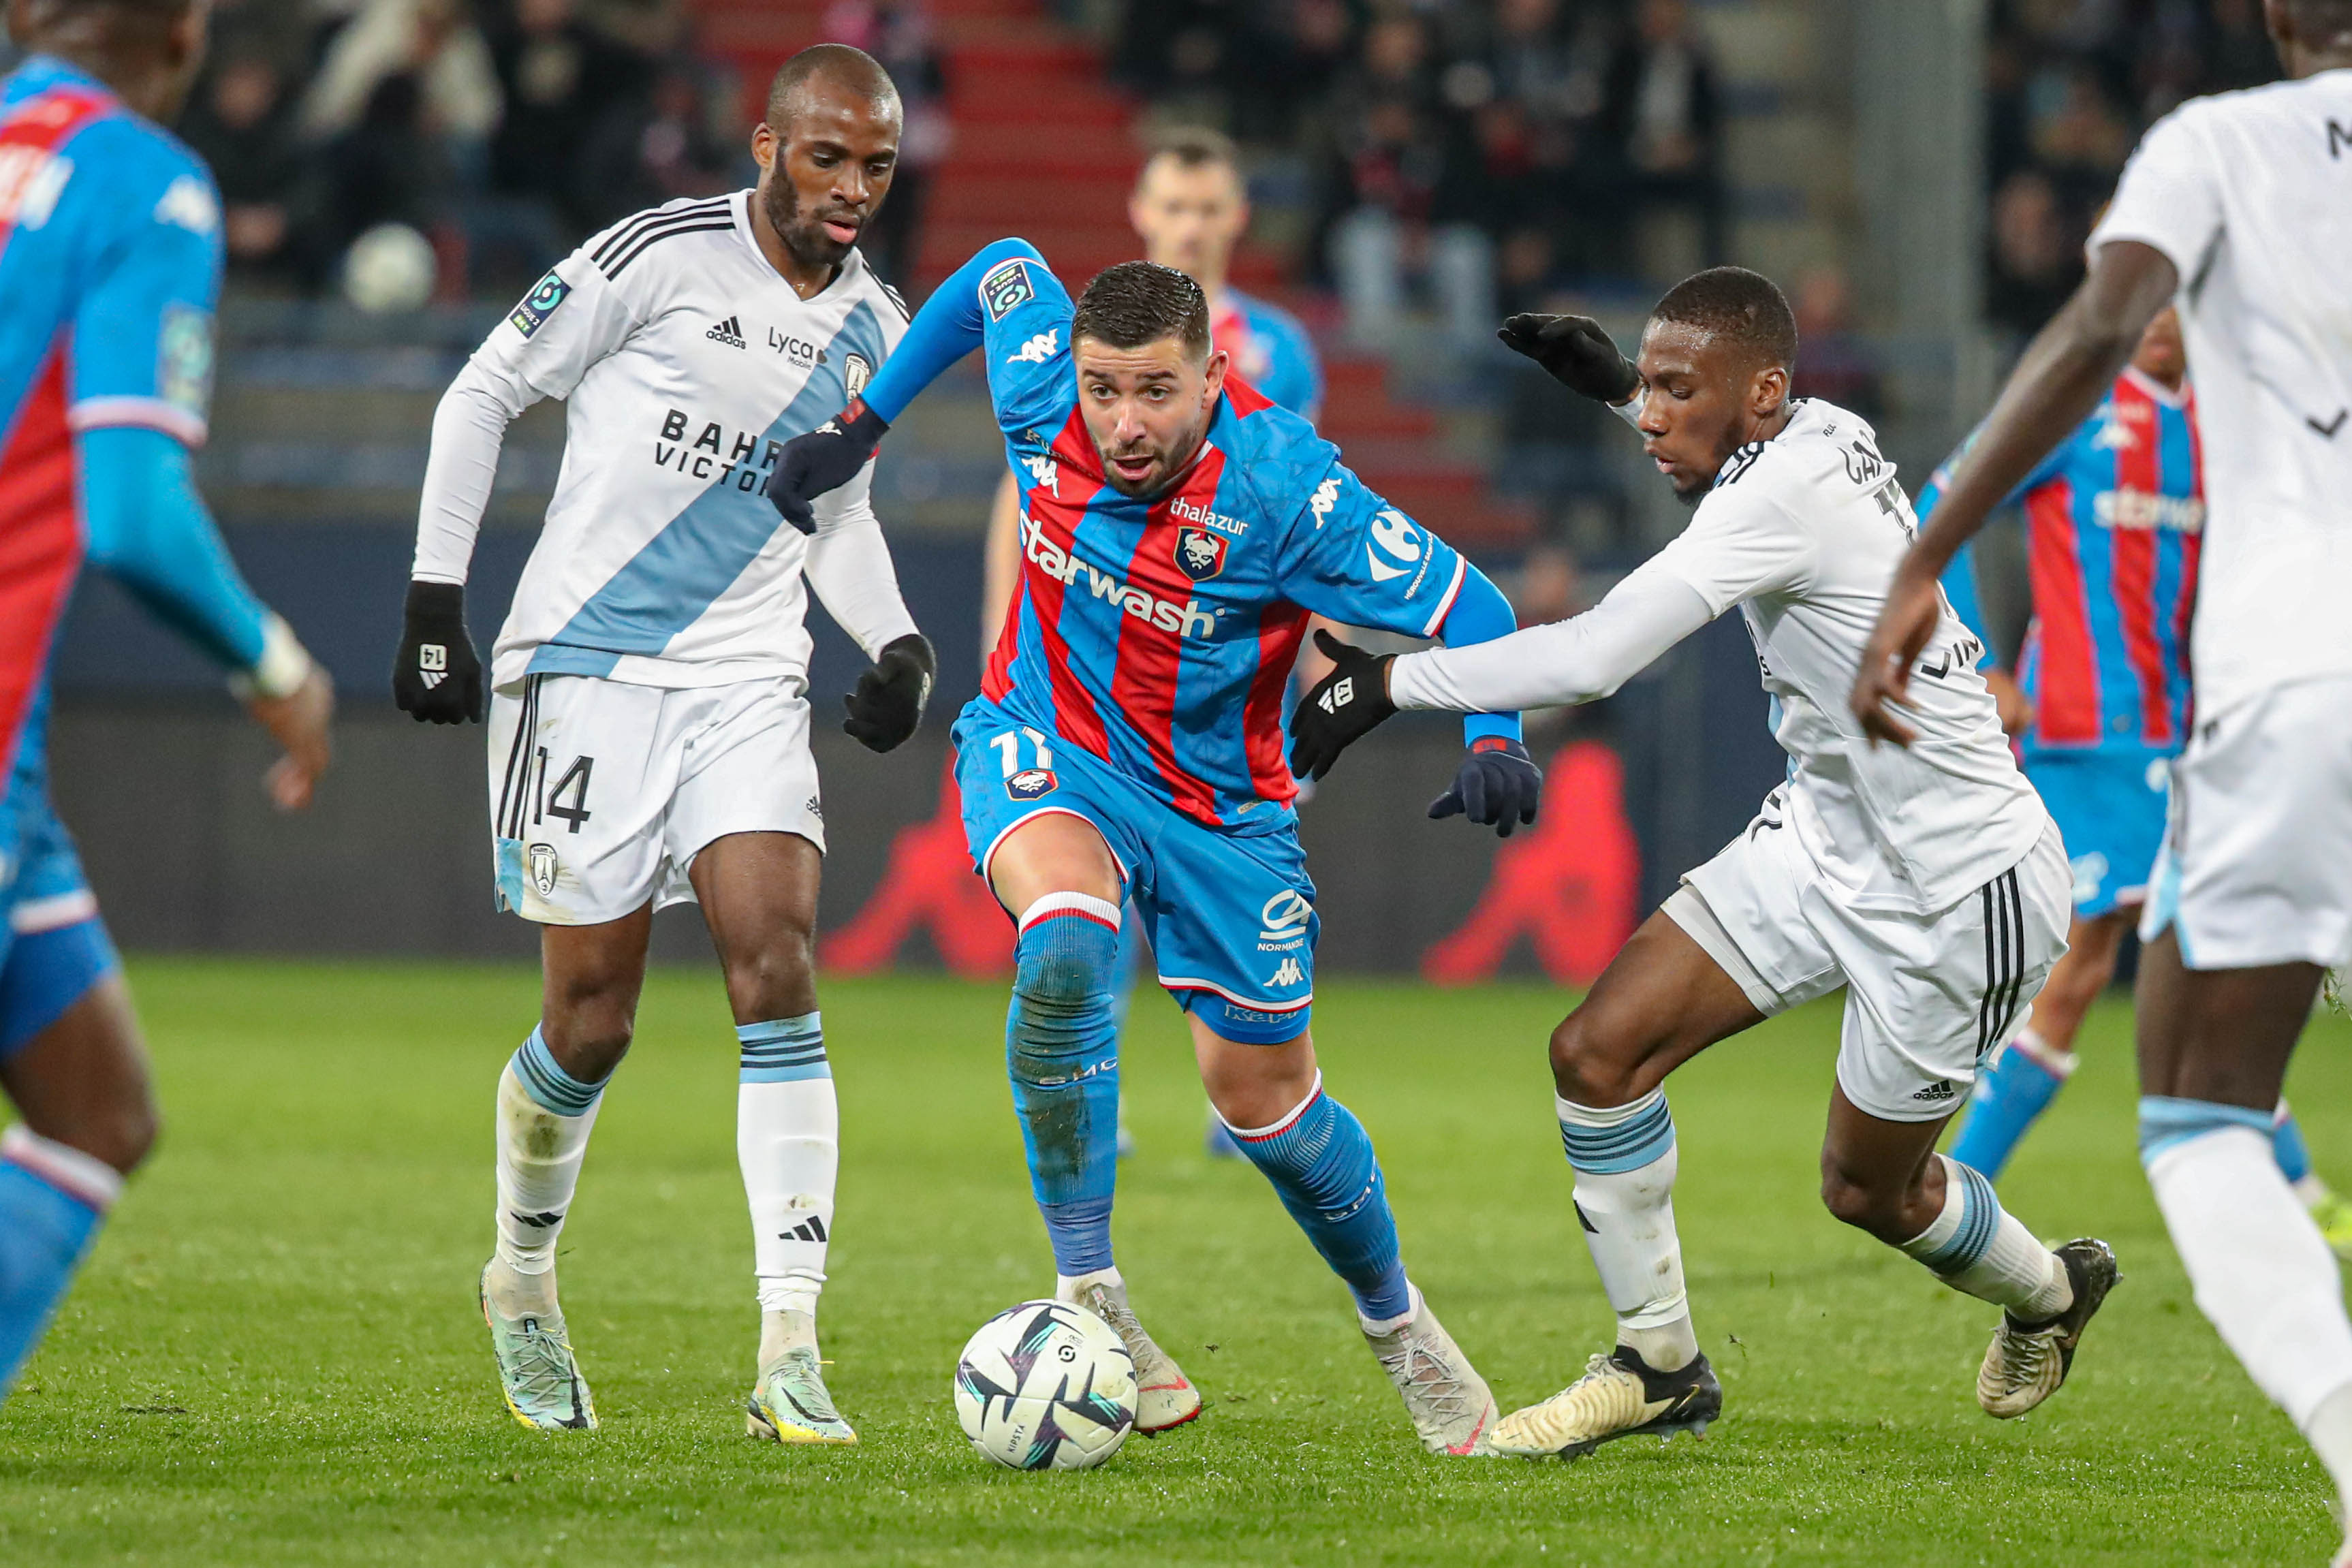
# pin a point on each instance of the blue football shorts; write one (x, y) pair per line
(54, 947)
(1230, 917)
(2110, 808)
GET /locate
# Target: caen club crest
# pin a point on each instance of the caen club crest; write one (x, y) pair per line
(1030, 784)
(1201, 554)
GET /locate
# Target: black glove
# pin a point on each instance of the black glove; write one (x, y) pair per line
(1577, 352)
(826, 459)
(1499, 786)
(1345, 706)
(437, 676)
(889, 699)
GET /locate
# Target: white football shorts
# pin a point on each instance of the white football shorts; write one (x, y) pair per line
(603, 793)
(1927, 995)
(2256, 866)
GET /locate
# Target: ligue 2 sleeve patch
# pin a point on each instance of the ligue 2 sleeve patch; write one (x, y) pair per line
(184, 359)
(540, 304)
(1005, 288)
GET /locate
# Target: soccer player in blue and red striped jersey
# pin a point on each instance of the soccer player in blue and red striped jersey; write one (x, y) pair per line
(110, 264)
(2099, 708)
(1177, 530)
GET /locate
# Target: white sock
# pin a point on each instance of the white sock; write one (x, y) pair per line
(1624, 1160)
(1979, 1248)
(2059, 1064)
(540, 1148)
(2261, 1270)
(1376, 1327)
(787, 1142)
(1067, 1286)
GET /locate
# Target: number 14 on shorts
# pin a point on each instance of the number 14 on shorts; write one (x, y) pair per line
(572, 782)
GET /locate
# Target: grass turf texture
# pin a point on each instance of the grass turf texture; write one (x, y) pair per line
(274, 1355)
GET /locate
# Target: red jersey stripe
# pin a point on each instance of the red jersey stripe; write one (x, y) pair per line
(1150, 657)
(1280, 627)
(40, 544)
(2070, 707)
(997, 679)
(2132, 551)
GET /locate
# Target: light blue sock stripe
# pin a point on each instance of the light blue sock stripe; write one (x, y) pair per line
(549, 1086)
(1628, 1146)
(1979, 1221)
(784, 1050)
(2166, 1123)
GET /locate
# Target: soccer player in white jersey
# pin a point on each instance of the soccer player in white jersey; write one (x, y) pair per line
(1930, 883)
(649, 728)
(2239, 207)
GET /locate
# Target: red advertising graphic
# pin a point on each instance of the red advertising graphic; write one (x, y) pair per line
(927, 886)
(1570, 888)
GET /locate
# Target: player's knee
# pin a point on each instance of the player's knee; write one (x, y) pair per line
(777, 980)
(1854, 1201)
(1590, 1066)
(121, 1130)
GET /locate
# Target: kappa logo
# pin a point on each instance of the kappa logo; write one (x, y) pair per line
(1285, 917)
(1201, 554)
(1937, 1092)
(2090, 870)
(728, 332)
(188, 202)
(1044, 473)
(543, 869)
(1394, 545)
(1029, 783)
(1325, 497)
(1038, 350)
(1288, 973)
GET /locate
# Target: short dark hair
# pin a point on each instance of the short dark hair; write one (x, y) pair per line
(1733, 302)
(1140, 302)
(853, 69)
(1193, 147)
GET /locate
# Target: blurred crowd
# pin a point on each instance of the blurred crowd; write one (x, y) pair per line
(1479, 153)
(2069, 86)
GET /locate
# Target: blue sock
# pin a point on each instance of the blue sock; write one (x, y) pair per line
(544, 1079)
(52, 1201)
(2009, 1096)
(1321, 1161)
(2287, 1146)
(784, 1050)
(1061, 1048)
(2165, 1122)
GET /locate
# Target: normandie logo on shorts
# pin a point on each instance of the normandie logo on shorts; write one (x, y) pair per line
(542, 869)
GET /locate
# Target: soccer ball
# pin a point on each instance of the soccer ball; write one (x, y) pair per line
(1045, 1385)
(389, 267)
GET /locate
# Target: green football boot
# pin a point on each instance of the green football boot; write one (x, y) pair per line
(790, 1402)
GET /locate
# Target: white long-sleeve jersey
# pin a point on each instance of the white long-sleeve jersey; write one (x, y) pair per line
(687, 360)
(1802, 532)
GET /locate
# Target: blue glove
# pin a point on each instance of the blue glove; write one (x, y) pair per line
(826, 459)
(1499, 786)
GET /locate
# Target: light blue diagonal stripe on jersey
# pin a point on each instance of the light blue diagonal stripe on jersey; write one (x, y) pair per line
(667, 586)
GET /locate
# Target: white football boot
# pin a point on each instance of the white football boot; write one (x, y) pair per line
(1620, 1395)
(2026, 1363)
(1452, 1411)
(536, 1373)
(1164, 1396)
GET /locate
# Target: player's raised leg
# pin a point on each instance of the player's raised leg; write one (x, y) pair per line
(547, 1100)
(1322, 1165)
(1064, 887)
(1661, 1002)
(759, 893)
(72, 1063)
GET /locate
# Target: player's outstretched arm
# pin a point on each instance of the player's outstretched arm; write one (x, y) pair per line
(150, 529)
(2065, 372)
(952, 323)
(1580, 356)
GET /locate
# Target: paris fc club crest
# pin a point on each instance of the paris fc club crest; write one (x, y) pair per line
(1030, 784)
(542, 869)
(1201, 554)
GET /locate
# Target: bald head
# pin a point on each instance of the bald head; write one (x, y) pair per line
(836, 70)
(146, 50)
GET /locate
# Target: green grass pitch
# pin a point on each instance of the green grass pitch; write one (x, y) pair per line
(274, 1356)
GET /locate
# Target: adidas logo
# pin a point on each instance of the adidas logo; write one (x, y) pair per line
(728, 332)
(809, 1230)
(817, 808)
(537, 1221)
(1937, 1092)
